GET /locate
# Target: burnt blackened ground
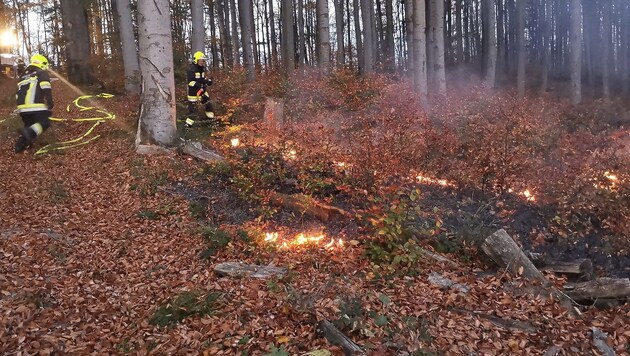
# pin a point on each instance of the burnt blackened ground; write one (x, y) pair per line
(471, 216)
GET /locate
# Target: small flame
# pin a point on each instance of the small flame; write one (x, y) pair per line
(341, 164)
(442, 182)
(235, 142)
(528, 195)
(303, 239)
(271, 236)
(611, 176)
(291, 154)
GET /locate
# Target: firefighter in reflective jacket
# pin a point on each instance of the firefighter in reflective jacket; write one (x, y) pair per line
(34, 101)
(197, 82)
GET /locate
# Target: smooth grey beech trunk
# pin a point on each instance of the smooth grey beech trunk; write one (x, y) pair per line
(575, 62)
(129, 49)
(157, 111)
(420, 48)
(198, 26)
(323, 35)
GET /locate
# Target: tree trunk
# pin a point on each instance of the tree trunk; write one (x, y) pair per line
(625, 47)
(288, 47)
(224, 34)
(246, 37)
(389, 46)
(599, 288)
(235, 46)
(323, 36)
(520, 43)
(607, 45)
(274, 37)
(339, 28)
(420, 49)
(77, 42)
(368, 41)
(213, 34)
(440, 70)
(157, 111)
(301, 36)
(548, 37)
(128, 44)
(459, 40)
(576, 52)
(408, 6)
(357, 33)
(198, 37)
(491, 55)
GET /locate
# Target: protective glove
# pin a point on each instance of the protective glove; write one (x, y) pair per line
(208, 81)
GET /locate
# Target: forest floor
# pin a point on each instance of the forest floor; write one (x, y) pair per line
(100, 246)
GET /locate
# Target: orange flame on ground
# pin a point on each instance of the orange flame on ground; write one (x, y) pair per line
(235, 142)
(302, 239)
(442, 182)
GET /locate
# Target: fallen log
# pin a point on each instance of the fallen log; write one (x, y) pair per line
(580, 269)
(508, 324)
(337, 338)
(600, 288)
(238, 269)
(502, 249)
(303, 204)
(196, 150)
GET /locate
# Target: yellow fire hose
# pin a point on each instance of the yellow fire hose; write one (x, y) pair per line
(83, 139)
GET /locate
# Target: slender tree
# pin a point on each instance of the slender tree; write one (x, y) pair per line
(288, 47)
(368, 40)
(339, 30)
(419, 48)
(576, 51)
(491, 55)
(323, 35)
(438, 65)
(129, 49)
(607, 45)
(520, 42)
(157, 110)
(246, 37)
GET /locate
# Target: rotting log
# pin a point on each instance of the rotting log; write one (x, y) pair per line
(502, 249)
(337, 338)
(303, 204)
(238, 269)
(508, 324)
(600, 288)
(581, 269)
(553, 351)
(196, 150)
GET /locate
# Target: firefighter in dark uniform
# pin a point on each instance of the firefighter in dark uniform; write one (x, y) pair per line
(197, 82)
(34, 101)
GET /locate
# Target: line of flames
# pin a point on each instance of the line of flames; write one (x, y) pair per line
(302, 239)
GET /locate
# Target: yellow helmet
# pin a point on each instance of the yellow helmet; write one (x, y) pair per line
(39, 61)
(197, 56)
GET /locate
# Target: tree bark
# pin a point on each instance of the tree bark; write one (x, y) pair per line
(224, 34)
(336, 337)
(548, 37)
(198, 37)
(323, 36)
(389, 60)
(520, 43)
(576, 52)
(157, 111)
(357, 33)
(341, 58)
(129, 50)
(408, 6)
(214, 41)
(439, 68)
(301, 36)
(419, 49)
(368, 40)
(288, 47)
(599, 288)
(607, 45)
(274, 38)
(246, 37)
(235, 47)
(77, 42)
(491, 55)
